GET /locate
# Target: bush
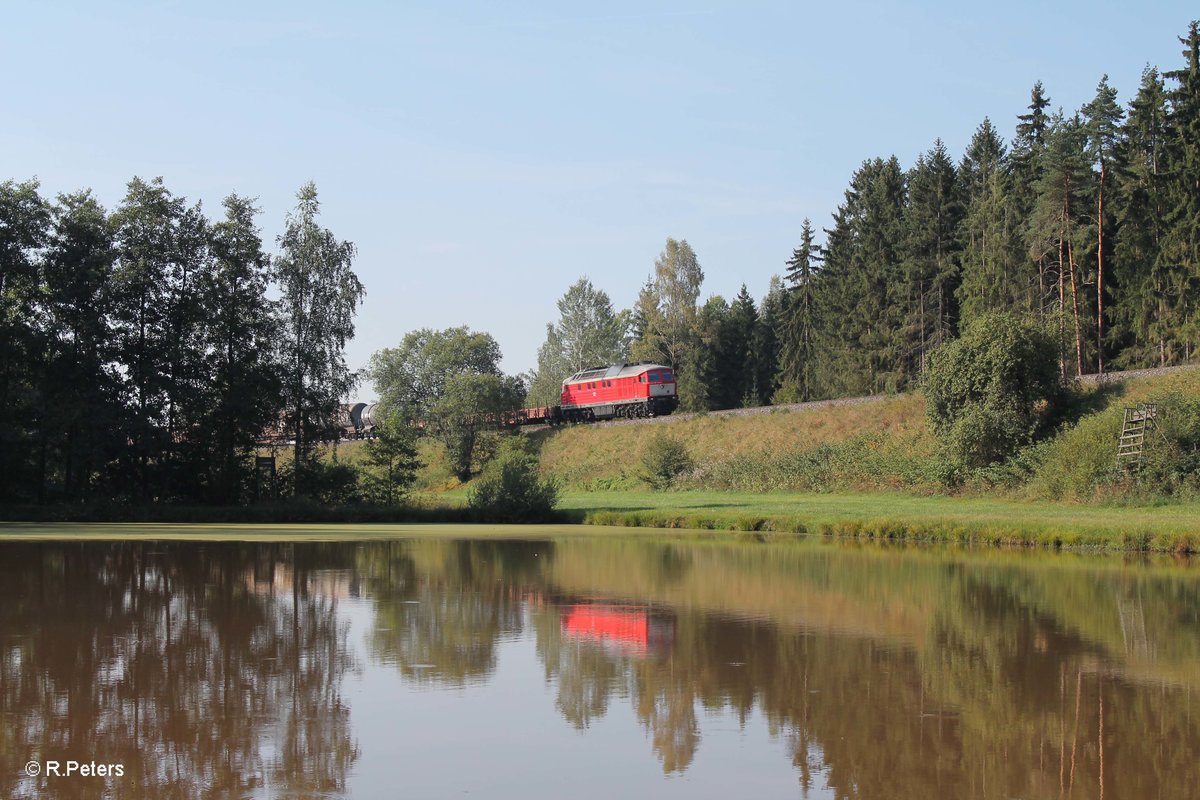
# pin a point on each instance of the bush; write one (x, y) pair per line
(992, 390)
(511, 489)
(327, 483)
(665, 459)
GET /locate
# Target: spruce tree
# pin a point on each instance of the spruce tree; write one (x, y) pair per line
(738, 353)
(796, 375)
(995, 275)
(765, 347)
(1181, 246)
(1140, 315)
(1027, 159)
(931, 255)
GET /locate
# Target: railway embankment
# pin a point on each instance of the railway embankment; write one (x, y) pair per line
(872, 467)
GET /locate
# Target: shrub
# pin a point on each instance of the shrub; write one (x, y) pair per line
(665, 459)
(511, 489)
(991, 391)
(392, 457)
(328, 483)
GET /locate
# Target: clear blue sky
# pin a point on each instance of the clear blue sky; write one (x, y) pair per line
(483, 156)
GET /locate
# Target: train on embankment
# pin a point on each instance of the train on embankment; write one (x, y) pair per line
(616, 391)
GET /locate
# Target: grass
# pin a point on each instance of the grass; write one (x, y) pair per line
(1166, 528)
(602, 458)
(258, 532)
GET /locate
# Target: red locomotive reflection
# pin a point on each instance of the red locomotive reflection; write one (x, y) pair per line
(630, 629)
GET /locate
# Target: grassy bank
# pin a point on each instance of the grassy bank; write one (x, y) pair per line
(1173, 528)
(886, 445)
(880, 516)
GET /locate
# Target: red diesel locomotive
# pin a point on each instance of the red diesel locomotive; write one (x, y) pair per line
(618, 391)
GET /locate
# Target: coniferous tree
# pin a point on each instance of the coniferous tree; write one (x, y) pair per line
(931, 255)
(1102, 127)
(1181, 245)
(1141, 319)
(796, 376)
(867, 291)
(739, 353)
(767, 342)
(714, 383)
(995, 274)
(1056, 228)
(1027, 159)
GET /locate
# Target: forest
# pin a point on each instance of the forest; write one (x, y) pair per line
(145, 350)
(1087, 222)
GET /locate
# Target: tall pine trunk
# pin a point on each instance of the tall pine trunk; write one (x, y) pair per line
(1100, 275)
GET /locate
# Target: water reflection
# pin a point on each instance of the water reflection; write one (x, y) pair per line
(207, 671)
(225, 670)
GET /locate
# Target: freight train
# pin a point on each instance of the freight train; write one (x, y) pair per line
(617, 391)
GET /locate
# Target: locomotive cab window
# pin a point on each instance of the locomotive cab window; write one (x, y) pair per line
(654, 377)
(641, 378)
(666, 376)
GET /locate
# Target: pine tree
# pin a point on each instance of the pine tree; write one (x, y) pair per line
(1056, 225)
(1102, 127)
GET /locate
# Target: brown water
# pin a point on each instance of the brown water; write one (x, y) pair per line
(595, 668)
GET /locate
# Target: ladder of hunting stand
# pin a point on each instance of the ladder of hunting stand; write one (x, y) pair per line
(1138, 421)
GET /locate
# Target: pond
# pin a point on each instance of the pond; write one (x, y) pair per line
(592, 667)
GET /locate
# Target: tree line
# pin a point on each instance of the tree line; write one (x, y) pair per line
(145, 350)
(1087, 223)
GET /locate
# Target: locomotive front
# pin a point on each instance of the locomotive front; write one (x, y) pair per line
(619, 391)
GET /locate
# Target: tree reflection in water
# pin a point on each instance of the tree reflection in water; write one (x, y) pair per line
(208, 671)
(889, 673)
(217, 670)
